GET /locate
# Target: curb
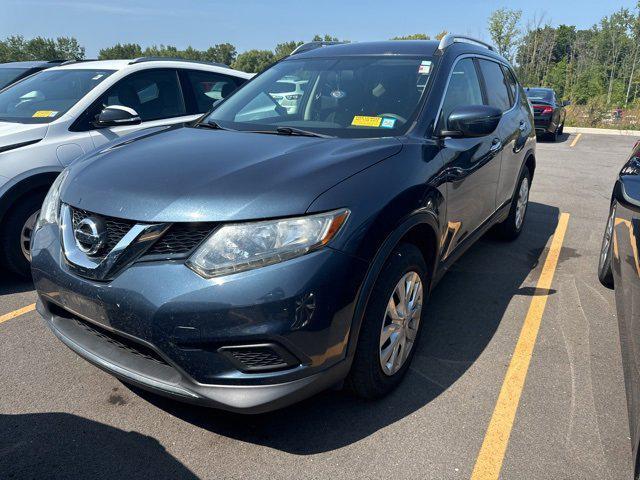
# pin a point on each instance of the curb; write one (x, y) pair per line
(602, 131)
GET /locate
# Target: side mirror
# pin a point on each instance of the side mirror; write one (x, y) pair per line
(472, 121)
(117, 115)
(566, 103)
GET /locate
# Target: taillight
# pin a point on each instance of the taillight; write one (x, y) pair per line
(546, 110)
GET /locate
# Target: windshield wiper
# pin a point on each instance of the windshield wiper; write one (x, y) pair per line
(300, 132)
(212, 125)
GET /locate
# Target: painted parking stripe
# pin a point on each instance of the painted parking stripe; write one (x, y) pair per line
(576, 140)
(17, 313)
(489, 461)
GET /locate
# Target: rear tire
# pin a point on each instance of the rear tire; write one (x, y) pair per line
(13, 230)
(605, 272)
(387, 321)
(510, 228)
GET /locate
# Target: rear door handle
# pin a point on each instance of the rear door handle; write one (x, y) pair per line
(523, 126)
(496, 146)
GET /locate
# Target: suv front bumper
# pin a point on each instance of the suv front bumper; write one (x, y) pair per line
(169, 381)
(164, 328)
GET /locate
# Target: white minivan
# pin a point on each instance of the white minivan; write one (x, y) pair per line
(53, 117)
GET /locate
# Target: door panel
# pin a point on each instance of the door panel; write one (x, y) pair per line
(472, 165)
(471, 173)
(518, 124)
(502, 93)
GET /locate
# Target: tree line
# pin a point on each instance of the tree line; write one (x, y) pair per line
(597, 66)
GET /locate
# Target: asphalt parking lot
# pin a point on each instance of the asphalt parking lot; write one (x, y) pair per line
(63, 418)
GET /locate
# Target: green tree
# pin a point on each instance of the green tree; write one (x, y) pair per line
(120, 51)
(415, 36)
(161, 51)
(254, 61)
(15, 48)
(284, 49)
(325, 38)
(504, 30)
(221, 53)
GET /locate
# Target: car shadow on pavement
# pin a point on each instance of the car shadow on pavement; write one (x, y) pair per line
(66, 446)
(463, 314)
(11, 283)
(561, 139)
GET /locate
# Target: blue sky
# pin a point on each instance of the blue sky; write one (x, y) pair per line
(264, 23)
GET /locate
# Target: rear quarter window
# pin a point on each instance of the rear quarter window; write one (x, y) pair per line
(496, 85)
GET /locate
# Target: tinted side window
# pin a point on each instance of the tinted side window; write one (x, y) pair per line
(463, 90)
(511, 83)
(154, 94)
(208, 87)
(496, 85)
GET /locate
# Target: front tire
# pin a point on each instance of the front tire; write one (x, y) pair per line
(391, 325)
(16, 234)
(511, 227)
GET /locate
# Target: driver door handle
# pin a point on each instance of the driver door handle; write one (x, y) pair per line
(496, 146)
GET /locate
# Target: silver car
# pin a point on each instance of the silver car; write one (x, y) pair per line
(50, 119)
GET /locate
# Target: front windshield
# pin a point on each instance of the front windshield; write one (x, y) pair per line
(367, 96)
(540, 94)
(8, 75)
(47, 95)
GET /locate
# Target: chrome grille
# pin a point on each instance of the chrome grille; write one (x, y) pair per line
(178, 242)
(116, 228)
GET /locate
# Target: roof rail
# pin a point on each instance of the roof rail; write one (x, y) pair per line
(307, 47)
(69, 62)
(449, 40)
(175, 59)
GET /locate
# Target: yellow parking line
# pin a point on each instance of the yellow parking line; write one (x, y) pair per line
(576, 140)
(489, 461)
(17, 313)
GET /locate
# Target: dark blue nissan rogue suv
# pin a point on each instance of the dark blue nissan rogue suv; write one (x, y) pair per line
(287, 242)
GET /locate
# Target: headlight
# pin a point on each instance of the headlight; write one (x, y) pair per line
(243, 246)
(50, 210)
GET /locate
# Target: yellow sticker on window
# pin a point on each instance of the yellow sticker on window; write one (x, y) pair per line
(362, 121)
(44, 114)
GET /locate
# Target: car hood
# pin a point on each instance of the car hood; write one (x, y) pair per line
(15, 133)
(194, 174)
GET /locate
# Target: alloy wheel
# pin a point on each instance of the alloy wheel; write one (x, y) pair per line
(26, 233)
(522, 202)
(607, 238)
(400, 323)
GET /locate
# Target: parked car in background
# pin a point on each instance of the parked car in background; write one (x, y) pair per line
(53, 117)
(619, 268)
(548, 112)
(13, 71)
(288, 92)
(261, 255)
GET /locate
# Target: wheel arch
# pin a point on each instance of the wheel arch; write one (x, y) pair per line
(530, 163)
(27, 183)
(420, 229)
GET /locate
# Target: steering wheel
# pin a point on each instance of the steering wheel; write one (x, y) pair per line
(393, 115)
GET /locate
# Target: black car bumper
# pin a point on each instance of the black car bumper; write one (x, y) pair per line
(544, 124)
